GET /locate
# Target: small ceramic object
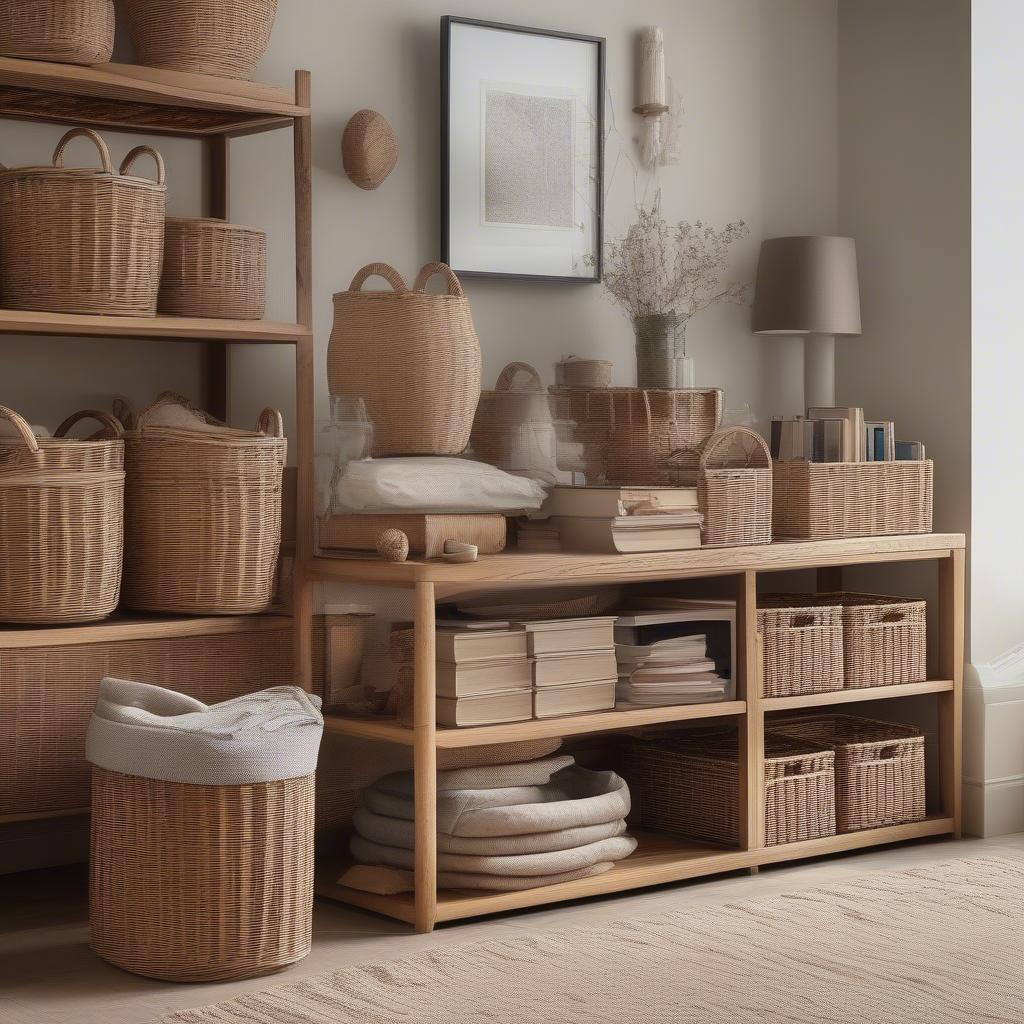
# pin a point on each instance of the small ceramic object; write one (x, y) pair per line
(456, 551)
(393, 545)
(369, 151)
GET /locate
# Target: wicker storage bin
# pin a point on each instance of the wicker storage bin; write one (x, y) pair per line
(688, 784)
(413, 356)
(80, 240)
(825, 500)
(734, 489)
(203, 518)
(633, 436)
(227, 38)
(61, 514)
(63, 31)
(880, 778)
(585, 373)
(213, 269)
(803, 646)
(200, 883)
(48, 691)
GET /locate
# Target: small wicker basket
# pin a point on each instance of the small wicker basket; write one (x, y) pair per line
(803, 646)
(80, 240)
(227, 38)
(200, 883)
(203, 517)
(62, 31)
(880, 774)
(734, 489)
(213, 269)
(61, 510)
(688, 784)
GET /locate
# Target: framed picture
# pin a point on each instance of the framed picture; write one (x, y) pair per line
(522, 132)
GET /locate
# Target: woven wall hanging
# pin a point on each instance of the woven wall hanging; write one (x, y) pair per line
(369, 151)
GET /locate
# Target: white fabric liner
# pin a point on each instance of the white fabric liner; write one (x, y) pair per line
(498, 776)
(394, 880)
(156, 733)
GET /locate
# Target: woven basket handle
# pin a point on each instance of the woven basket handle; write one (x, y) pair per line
(271, 423)
(129, 160)
(22, 426)
(392, 276)
(107, 421)
(87, 133)
(508, 375)
(727, 437)
(430, 269)
(125, 413)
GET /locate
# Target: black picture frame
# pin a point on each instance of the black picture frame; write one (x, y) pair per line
(446, 24)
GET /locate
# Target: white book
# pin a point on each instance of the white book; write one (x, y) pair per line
(579, 698)
(617, 501)
(486, 709)
(469, 679)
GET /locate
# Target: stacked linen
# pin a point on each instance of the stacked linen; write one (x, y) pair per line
(513, 825)
(672, 671)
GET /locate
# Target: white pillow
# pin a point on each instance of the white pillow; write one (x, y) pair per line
(428, 484)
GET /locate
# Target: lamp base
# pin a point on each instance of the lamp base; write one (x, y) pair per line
(819, 371)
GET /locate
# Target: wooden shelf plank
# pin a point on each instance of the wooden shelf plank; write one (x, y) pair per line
(70, 812)
(571, 725)
(817, 700)
(172, 328)
(519, 568)
(140, 99)
(657, 860)
(141, 627)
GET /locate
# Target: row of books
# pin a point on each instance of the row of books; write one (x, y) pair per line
(839, 434)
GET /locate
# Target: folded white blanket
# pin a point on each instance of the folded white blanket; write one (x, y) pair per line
(494, 776)
(149, 731)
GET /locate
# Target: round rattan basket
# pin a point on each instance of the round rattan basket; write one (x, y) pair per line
(213, 269)
(200, 883)
(82, 240)
(61, 511)
(62, 31)
(202, 517)
(227, 38)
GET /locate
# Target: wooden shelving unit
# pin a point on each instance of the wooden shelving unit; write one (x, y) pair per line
(114, 97)
(659, 858)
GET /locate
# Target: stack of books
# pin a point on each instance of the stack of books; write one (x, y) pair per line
(614, 520)
(839, 434)
(537, 535)
(573, 665)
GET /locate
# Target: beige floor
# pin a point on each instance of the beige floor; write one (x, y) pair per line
(49, 976)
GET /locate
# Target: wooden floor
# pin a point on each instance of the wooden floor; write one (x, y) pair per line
(49, 976)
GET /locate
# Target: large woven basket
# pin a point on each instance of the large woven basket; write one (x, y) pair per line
(688, 784)
(61, 512)
(636, 436)
(830, 500)
(200, 883)
(63, 31)
(803, 645)
(734, 489)
(213, 269)
(79, 240)
(413, 356)
(203, 517)
(209, 37)
(880, 774)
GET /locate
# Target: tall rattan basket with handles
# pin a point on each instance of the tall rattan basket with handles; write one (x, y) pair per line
(202, 516)
(412, 356)
(61, 510)
(62, 31)
(80, 240)
(734, 488)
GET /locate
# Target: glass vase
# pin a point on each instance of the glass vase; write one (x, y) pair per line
(348, 437)
(685, 374)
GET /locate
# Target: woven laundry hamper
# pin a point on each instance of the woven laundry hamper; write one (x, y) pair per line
(62, 31)
(201, 862)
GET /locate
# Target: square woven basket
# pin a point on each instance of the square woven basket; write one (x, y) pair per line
(803, 645)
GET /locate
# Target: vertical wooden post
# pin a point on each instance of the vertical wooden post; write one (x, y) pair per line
(951, 666)
(425, 759)
(305, 359)
(750, 689)
(217, 355)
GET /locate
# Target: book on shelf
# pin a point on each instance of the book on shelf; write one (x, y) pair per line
(910, 451)
(574, 699)
(427, 533)
(814, 440)
(630, 534)
(537, 535)
(461, 644)
(568, 636)
(478, 677)
(611, 502)
(675, 650)
(579, 667)
(680, 670)
(486, 709)
(879, 441)
(854, 439)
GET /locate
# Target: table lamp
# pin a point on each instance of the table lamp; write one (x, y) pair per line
(807, 285)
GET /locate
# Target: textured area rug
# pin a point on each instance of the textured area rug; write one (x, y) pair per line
(933, 945)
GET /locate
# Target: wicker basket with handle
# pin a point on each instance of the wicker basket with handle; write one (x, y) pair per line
(734, 488)
(412, 356)
(803, 645)
(63, 31)
(202, 516)
(81, 240)
(227, 38)
(61, 510)
(880, 770)
(213, 269)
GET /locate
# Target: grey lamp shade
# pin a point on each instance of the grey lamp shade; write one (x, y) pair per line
(807, 284)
